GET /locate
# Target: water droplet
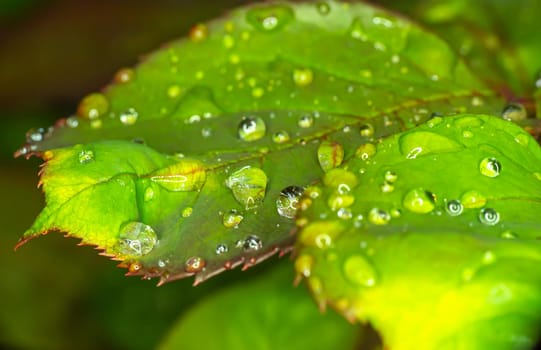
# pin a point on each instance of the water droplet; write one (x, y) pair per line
(489, 257)
(489, 216)
(248, 185)
(523, 139)
(124, 75)
(304, 264)
(251, 129)
(306, 121)
(221, 249)
(93, 106)
(344, 213)
(185, 175)
(378, 216)
(194, 264)
(187, 212)
(337, 201)
(365, 151)
(419, 201)
(330, 155)
(252, 243)
(149, 194)
(129, 117)
(96, 123)
(508, 235)
(269, 18)
(136, 239)
(453, 207)
(359, 271)
(390, 176)
(232, 218)
(206, 132)
(320, 234)
(490, 167)
(367, 130)
(280, 136)
(357, 30)
(387, 187)
(35, 135)
(288, 201)
(412, 144)
(514, 112)
(473, 199)
(323, 8)
(198, 32)
(72, 122)
(338, 177)
(396, 213)
(303, 77)
(173, 91)
(86, 156)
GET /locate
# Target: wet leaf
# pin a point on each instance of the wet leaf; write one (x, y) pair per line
(215, 323)
(193, 162)
(433, 236)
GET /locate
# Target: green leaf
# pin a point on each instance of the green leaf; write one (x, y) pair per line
(261, 88)
(433, 236)
(265, 313)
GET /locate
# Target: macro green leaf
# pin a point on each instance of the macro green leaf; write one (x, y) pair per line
(433, 236)
(193, 162)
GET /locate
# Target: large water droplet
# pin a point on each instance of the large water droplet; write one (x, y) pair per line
(194, 264)
(419, 201)
(330, 155)
(251, 129)
(359, 271)
(288, 201)
(473, 199)
(248, 185)
(378, 216)
(252, 243)
(514, 112)
(270, 18)
(489, 216)
(303, 77)
(93, 106)
(136, 239)
(186, 175)
(232, 218)
(413, 144)
(129, 117)
(490, 167)
(453, 207)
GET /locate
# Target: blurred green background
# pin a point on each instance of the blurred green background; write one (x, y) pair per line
(53, 294)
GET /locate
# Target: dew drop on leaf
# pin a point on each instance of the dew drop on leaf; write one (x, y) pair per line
(185, 175)
(288, 201)
(221, 249)
(344, 213)
(473, 199)
(194, 264)
(280, 137)
(304, 265)
(359, 271)
(251, 129)
(489, 216)
(419, 201)
(35, 135)
(303, 77)
(198, 32)
(93, 106)
(72, 122)
(508, 234)
(129, 117)
(367, 130)
(252, 243)
(337, 201)
(232, 218)
(365, 151)
(453, 207)
(339, 178)
(490, 167)
(390, 176)
(187, 212)
(514, 112)
(86, 156)
(323, 8)
(136, 239)
(330, 155)
(248, 185)
(378, 216)
(357, 30)
(270, 18)
(306, 121)
(124, 75)
(149, 194)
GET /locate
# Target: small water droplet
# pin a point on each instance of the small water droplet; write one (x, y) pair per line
(367, 130)
(453, 207)
(35, 135)
(252, 243)
(251, 129)
(303, 77)
(86, 156)
(306, 121)
(489, 257)
(194, 264)
(248, 185)
(304, 264)
(357, 30)
(337, 201)
(206, 132)
(323, 8)
(365, 151)
(390, 176)
(514, 112)
(320, 234)
(221, 249)
(124, 75)
(129, 117)
(232, 218)
(93, 106)
(281, 136)
(508, 234)
(378, 216)
(330, 155)
(523, 139)
(490, 167)
(338, 177)
(288, 201)
(185, 175)
(489, 216)
(136, 239)
(72, 122)
(473, 199)
(270, 18)
(387, 187)
(419, 201)
(359, 271)
(198, 32)
(149, 194)
(187, 212)
(344, 213)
